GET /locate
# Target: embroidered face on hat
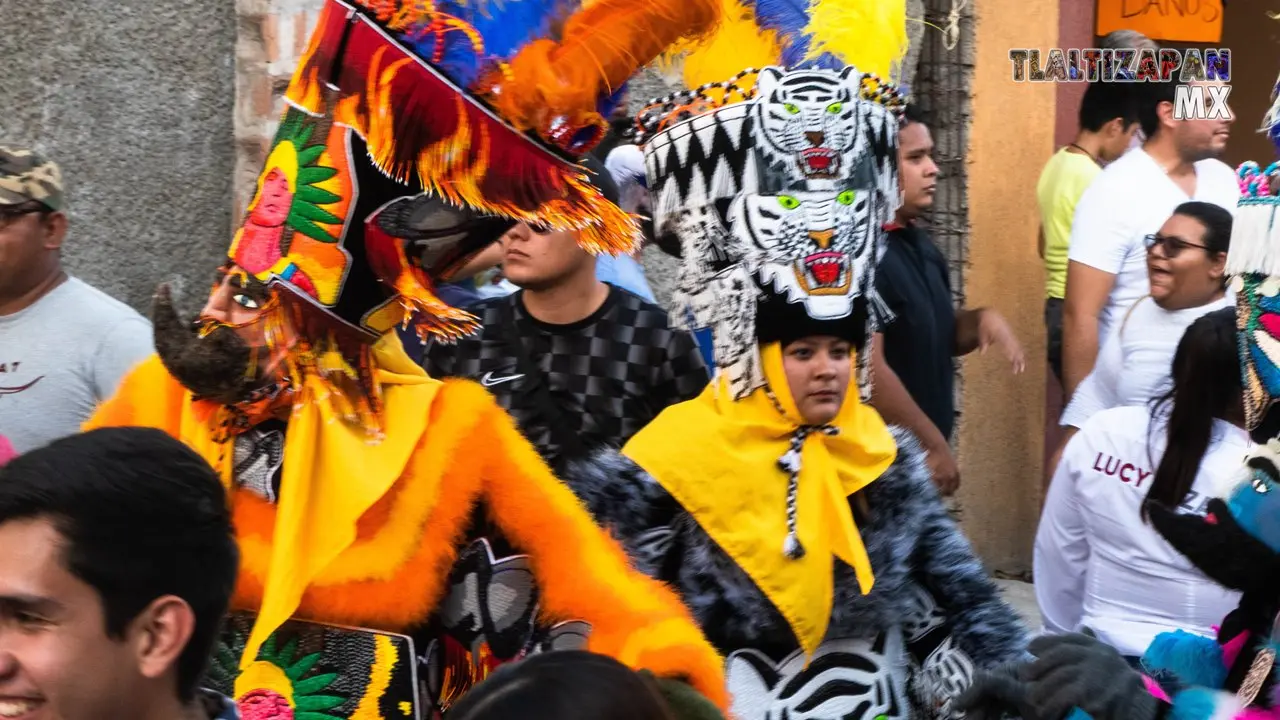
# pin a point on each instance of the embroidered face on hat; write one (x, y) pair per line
(783, 194)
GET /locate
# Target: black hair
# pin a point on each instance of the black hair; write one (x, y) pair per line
(142, 516)
(1149, 95)
(1206, 386)
(1216, 221)
(911, 114)
(1106, 101)
(564, 685)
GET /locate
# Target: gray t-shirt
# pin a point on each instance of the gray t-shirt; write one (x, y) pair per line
(62, 356)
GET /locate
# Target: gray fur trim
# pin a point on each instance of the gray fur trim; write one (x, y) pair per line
(910, 538)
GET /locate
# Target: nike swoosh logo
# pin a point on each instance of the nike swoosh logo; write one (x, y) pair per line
(489, 380)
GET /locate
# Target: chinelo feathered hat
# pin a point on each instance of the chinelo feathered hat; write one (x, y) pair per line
(778, 178)
(415, 133)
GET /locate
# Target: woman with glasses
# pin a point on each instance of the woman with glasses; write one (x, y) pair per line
(1099, 563)
(1186, 262)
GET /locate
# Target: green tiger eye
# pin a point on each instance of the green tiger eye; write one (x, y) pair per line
(793, 109)
(788, 202)
(846, 197)
(835, 108)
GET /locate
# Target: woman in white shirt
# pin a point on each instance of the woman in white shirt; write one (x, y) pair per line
(1098, 563)
(1186, 263)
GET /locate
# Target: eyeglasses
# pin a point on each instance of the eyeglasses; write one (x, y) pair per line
(1173, 246)
(8, 215)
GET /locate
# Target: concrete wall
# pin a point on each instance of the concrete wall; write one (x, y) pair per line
(133, 98)
(1002, 425)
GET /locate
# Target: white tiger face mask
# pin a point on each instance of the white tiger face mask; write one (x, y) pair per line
(809, 122)
(811, 247)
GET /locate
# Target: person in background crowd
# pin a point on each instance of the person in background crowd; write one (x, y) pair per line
(117, 561)
(576, 685)
(1098, 563)
(1130, 199)
(913, 368)
(1126, 40)
(578, 362)
(625, 165)
(64, 345)
(1108, 120)
(1186, 263)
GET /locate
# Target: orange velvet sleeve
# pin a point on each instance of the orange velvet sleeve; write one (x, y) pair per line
(147, 397)
(584, 574)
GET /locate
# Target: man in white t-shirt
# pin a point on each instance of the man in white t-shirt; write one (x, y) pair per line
(1131, 198)
(64, 345)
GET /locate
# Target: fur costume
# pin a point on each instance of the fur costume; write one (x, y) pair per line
(902, 650)
(817, 557)
(399, 537)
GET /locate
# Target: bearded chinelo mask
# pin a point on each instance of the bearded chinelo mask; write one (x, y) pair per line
(415, 134)
(778, 194)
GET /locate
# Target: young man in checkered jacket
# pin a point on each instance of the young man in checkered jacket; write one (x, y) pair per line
(579, 363)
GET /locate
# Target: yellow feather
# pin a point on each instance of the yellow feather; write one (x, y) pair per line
(871, 35)
(737, 44)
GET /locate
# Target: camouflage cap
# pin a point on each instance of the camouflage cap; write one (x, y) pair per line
(25, 175)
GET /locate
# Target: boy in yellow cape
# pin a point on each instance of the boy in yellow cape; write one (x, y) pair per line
(400, 539)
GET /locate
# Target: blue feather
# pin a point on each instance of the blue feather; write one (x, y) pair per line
(787, 18)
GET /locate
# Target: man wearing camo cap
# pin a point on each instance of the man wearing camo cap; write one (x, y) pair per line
(64, 345)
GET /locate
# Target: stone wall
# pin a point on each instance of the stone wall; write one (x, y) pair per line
(133, 98)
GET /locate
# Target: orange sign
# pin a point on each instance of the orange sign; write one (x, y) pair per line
(1198, 21)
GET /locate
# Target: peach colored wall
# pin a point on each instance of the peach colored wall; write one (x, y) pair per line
(1001, 430)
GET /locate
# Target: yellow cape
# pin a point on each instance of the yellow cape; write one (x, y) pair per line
(319, 506)
(719, 459)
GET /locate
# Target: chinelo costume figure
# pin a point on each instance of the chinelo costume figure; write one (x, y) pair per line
(1237, 544)
(400, 539)
(803, 532)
